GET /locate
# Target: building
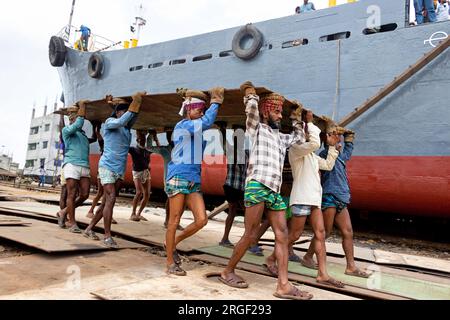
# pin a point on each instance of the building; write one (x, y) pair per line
(8, 168)
(43, 146)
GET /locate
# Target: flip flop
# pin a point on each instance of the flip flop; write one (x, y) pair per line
(272, 269)
(91, 235)
(294, 258)
(142, 218)
(62, 222)
(176, 257)
(226, 244)
(113, 221)
(332, 283)
(294, 294)
(75, 229)
(175, 269)
(308, 265)
(234, 281)
(358, 273)
(135, 218)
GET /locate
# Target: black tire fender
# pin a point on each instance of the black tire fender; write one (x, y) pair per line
(95, 66)
(247, 31)
(57, 51)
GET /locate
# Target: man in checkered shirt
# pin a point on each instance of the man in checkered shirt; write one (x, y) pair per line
(263, 184)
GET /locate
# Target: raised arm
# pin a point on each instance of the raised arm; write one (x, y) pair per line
(328, 163)
(301, 150)
(348, 146)
(297, 137)
(251, 108)
(112, 123)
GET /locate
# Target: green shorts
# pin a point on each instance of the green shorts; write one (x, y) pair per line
(256, 192)
(178, 185)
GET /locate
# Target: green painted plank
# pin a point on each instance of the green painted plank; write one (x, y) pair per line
(379, 281)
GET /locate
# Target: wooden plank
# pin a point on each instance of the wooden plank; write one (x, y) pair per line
(348, 290)
(408, 73)
(50, 238)
(161, 110)
(219, 209)
(195, 285)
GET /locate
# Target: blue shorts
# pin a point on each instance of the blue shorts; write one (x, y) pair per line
(330, 201)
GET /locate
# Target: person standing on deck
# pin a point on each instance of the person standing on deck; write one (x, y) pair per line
(263, 184)
(335, 200)
(141, 175)
(117, 137)
(307, 6)
(184, 171)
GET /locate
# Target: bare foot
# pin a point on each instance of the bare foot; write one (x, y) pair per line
(90, 215)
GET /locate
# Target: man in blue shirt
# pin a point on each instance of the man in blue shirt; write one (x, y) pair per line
(85, 34)
(76, 165)
(112, 165)
(335, 199)
(184, 170)
(307, 6)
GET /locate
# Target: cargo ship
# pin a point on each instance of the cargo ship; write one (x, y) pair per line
(332, 60)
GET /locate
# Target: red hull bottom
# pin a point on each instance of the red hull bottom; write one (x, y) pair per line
(417, 186)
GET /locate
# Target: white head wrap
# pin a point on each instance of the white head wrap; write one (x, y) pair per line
(187, 102)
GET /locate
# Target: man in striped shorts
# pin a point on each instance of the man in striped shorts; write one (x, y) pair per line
(263, 184)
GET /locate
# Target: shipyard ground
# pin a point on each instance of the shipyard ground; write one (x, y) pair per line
(40, 261)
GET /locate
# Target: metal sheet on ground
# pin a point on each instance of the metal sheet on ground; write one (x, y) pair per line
(151, 232)
(196, 285)
(348, 290)
(49, 238)
(379, 281)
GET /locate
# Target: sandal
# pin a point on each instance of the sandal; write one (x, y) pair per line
(294, 258)
(358, 273)
(91, 235)
(134, 218)
(294, 294)
(309, 265)
(176, 270)
(62, 222)
(233, 280)
(75, 229)
(176, 257)
(110, 243)
(332, 283)
(272, 269)
(226, 244)
(256, 250)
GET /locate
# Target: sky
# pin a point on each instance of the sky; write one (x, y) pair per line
(27, 78)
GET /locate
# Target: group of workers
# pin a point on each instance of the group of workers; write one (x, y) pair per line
(254, 180)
